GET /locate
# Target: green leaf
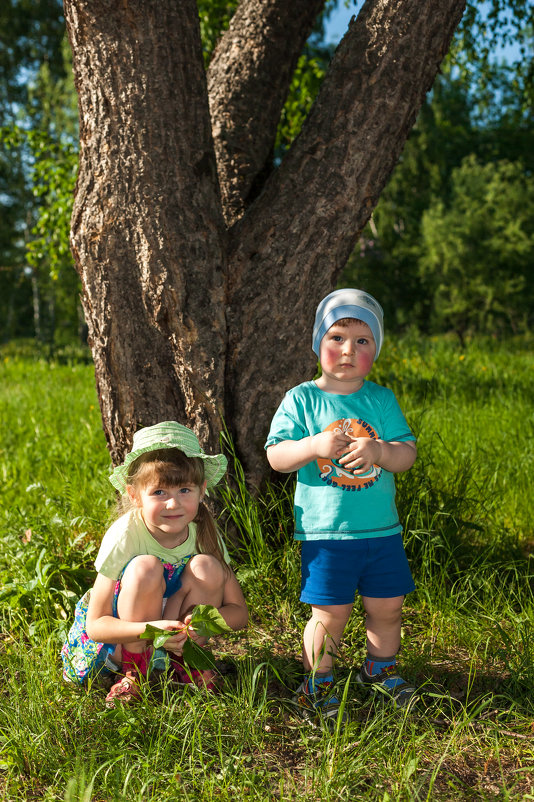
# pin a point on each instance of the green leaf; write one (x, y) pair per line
(156, 635)
(206, 620)
(197, 656)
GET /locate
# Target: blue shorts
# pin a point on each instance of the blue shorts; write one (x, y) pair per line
(333, 570)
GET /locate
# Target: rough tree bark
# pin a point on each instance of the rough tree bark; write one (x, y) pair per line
(147, 231)
(200, 300)
(248, 80)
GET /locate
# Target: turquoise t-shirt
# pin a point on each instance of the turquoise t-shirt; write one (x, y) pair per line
(330, 502)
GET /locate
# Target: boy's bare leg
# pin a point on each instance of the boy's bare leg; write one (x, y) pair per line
(383, 623)
(322, 635)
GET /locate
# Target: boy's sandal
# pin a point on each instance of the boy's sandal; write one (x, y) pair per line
(321, 706)
(126, 690)
(400, 692)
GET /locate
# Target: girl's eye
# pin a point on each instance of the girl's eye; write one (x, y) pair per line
(337, 338)
(363, 341)
(185, 490)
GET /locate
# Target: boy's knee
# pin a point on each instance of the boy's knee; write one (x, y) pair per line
(332, 614)
(385, 609)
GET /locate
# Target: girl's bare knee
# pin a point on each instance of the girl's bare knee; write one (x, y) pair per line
(206, 568)
(145, 570)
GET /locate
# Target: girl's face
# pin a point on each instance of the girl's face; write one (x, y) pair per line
(347, 354)
(168, 511)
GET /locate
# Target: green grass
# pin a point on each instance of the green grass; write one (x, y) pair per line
(467, 629)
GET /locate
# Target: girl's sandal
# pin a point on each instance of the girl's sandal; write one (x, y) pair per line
(126, 690)
(192, 676)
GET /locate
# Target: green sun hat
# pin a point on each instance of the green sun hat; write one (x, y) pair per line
(169, 434)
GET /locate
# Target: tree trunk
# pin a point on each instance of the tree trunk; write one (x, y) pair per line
(188, 319)
(147, 227)
(248, 80)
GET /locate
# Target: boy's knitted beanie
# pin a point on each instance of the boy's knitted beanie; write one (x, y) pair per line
(348, 303)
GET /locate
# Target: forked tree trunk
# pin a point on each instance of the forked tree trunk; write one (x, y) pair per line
(189, 319)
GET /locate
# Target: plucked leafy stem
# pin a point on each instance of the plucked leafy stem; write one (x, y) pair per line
(206, 620)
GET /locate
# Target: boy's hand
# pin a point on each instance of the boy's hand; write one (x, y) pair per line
(361, 455)
(330, 445)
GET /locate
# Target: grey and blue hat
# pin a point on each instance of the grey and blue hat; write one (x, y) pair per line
(348, 303)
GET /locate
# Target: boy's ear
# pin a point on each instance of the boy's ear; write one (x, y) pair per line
(132, 495)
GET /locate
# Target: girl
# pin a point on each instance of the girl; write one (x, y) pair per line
(156, 562)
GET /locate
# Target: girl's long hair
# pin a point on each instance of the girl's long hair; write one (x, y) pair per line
(169, 467)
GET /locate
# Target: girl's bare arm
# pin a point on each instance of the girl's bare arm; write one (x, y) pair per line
(103, 627)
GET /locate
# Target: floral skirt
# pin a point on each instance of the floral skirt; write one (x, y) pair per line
(84, 658)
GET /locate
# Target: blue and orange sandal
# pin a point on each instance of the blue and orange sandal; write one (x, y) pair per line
(320, 706)
(388, 682)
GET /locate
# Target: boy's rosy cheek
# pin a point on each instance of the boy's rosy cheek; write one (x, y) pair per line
(328, 356)
(366, 363)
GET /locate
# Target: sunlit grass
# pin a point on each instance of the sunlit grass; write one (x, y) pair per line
(467, 629)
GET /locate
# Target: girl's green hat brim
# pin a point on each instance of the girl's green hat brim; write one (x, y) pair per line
(168, 434)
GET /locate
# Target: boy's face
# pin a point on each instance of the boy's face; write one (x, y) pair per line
(347, 354)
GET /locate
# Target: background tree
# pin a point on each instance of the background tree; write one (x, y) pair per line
(481, 104)
(186, 315)
(474, 247)
(37, 121)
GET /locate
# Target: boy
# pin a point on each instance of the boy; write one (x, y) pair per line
(346, 437)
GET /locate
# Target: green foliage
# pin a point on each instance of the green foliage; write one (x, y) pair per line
(52, 168)
(214, 17)
(31, 33)
(485, 31)
(206, 620)
(311, 69)
(392, 259)
(38, 147)
(475, 250)
(54, 177)
(157, 635)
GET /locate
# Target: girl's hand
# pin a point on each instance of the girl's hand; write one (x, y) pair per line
(361, 455)
(176, 642)
(192, 634)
